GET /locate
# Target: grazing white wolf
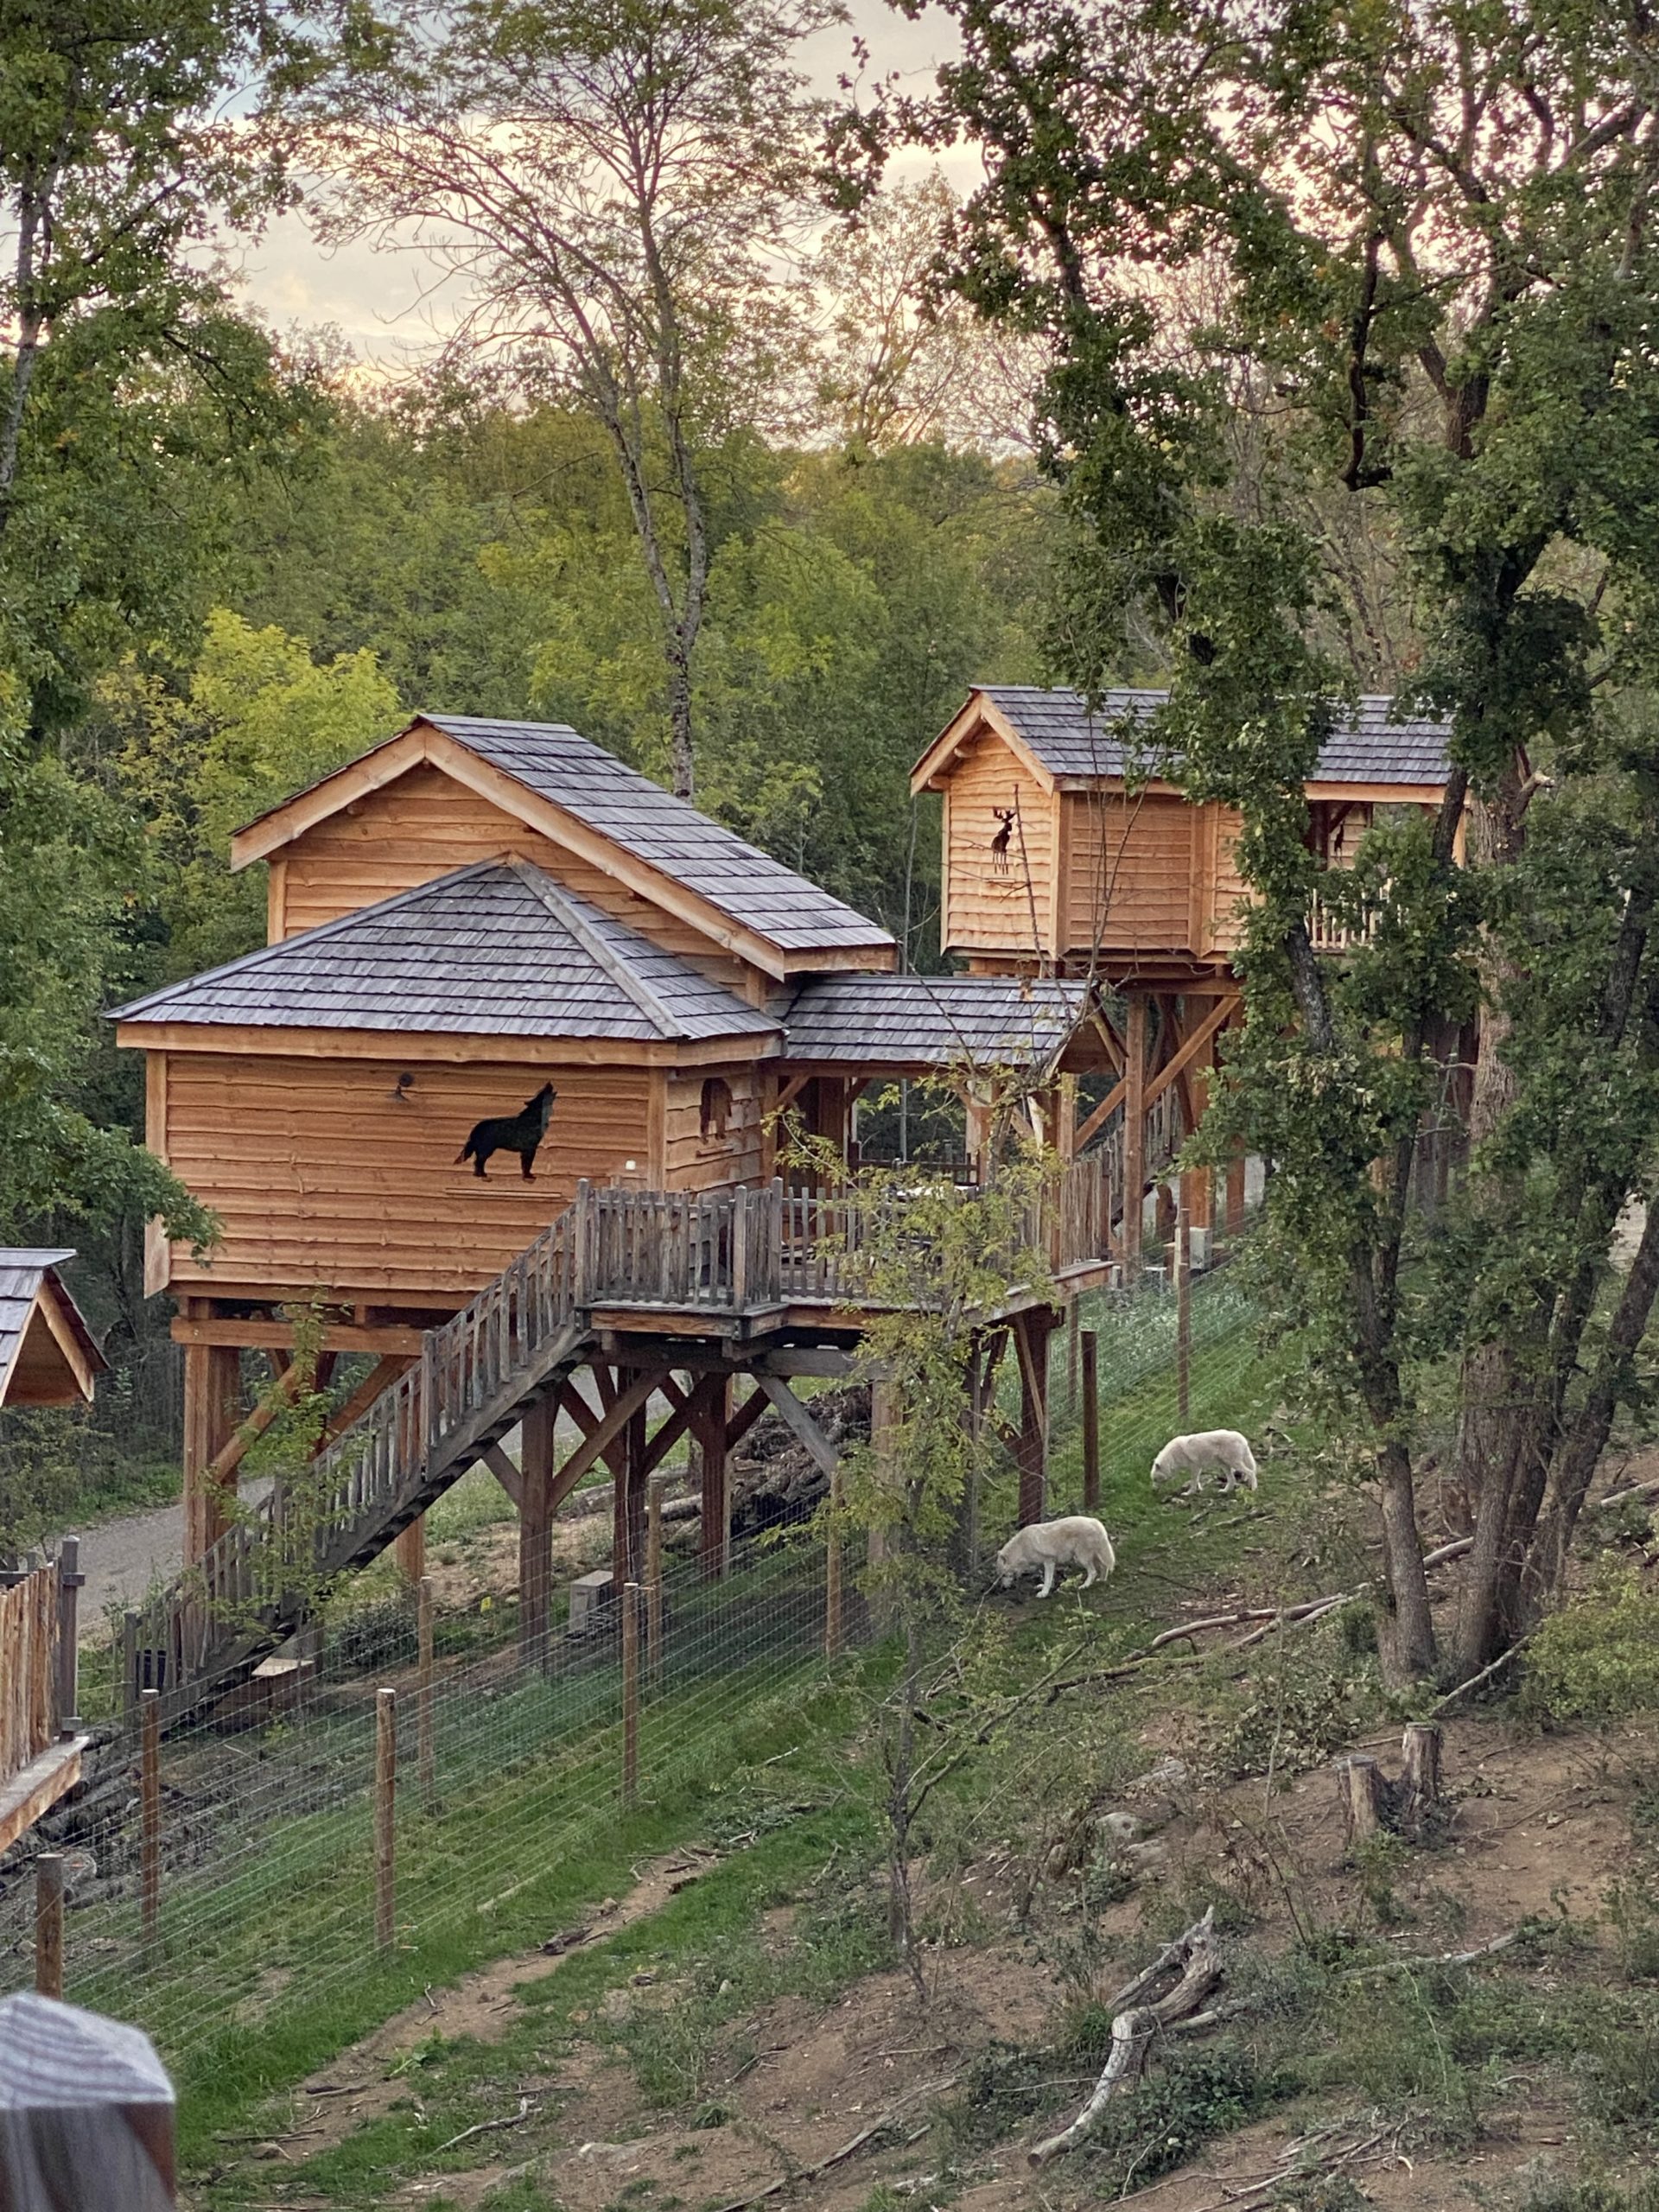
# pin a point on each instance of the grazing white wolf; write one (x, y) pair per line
(1221, 1452)
(1078, 1541)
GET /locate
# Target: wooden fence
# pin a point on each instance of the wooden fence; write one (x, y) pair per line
(28, 1669)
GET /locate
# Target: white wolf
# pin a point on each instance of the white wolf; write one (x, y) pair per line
(1078, 1541)
(1221, 1452)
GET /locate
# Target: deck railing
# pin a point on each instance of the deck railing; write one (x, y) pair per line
(737, 1251)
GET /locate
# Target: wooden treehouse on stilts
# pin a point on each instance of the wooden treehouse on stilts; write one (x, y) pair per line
(496, 1105)
(1063, 858)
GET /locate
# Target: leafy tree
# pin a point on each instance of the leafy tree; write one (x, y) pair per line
(1421, 234)
(258, 721)
(609, 183)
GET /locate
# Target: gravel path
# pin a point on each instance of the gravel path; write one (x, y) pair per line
(122, 1557)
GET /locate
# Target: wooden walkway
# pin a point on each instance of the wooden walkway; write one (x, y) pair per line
(762, 1262)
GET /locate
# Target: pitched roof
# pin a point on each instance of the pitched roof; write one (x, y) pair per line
(25, 1274)
(908, 1022)
(1371, 744)
(669, 835)
(496, 949)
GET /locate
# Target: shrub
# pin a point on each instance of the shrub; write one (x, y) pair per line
(1598, 1658)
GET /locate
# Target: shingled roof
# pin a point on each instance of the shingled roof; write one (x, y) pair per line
(496, 949)
(669, 836)
(1370, 745)
(28, 1277)
(908, 1022)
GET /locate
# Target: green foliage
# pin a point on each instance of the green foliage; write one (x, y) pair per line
(1597, 1659)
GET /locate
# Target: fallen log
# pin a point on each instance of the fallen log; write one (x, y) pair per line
(1135, 2025)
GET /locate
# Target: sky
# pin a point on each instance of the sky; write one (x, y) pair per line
(390, 308)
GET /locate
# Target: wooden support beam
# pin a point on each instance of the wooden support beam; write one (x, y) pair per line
(800, 1423)
(385, 1372)
(789, 1090)
(1134, 1135)
(1031, 1335)
(212, 1395)
(628, 1545)
(278, 1399)
(713, 1424)
(608, 1432)
(409, 1551)
(535, 1527)
(278, 1336)
(505, 1472)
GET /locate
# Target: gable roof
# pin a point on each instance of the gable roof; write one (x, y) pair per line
(909, 1021)
(600, 800)
(496, 949)
(32, 1295)
(1068, 742)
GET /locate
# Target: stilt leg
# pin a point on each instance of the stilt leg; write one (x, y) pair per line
(709, 1425)
(535, 1530)
(211, 1410)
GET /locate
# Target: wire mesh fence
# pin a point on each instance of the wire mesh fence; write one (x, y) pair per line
(510, 1772)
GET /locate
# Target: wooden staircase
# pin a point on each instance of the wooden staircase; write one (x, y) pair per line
(744, 1251)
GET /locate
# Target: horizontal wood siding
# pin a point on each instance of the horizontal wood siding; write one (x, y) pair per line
(1131, 863)
(424, 825)
(989, 908)
(697, 1163)
(322, 1178)
(1227, 885)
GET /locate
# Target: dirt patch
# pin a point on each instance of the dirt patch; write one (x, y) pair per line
(361, 2084)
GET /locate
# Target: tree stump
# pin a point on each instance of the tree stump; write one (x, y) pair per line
(1364, 1795)
(1420, 1782)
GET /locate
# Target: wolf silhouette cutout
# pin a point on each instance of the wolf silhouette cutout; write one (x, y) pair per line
(521, 1133)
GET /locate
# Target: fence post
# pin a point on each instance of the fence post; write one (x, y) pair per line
(48, 1924)
(654, 1579)
(1183, 1310)
(1091, 1345)
(630, 1692)
(832, 1570)
(740, 1247)
(386, 1803)
(149, 1792)
(130, 1663)
(70, 1582)
(425, 1758)
(580, 1258)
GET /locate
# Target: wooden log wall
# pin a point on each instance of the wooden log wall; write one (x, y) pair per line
(426, 824)
(29, 1680)
(321, 1176)
(694, 1161)
(1132, 862)
(989, 908)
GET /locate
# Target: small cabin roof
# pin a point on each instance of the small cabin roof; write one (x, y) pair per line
(495, 949)
(599, 801)
(1068, 742)
(48, 1357)
(909, 1021)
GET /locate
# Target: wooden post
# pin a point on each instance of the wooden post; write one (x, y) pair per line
(635, 1444)
(710, 1423)
(536, 1528)
(1182, 1313)
(425, 1693)
(654, 1579)
(1073, 1333)
(1234, 1193)
(1363, 1793)
(1134, 1133)
(409, 1551)
(630, 1692)
(89, 2112)
(1031, 1333)
(212, 1393)
(832, 1570)
(70, 1583)
(1091, 1420)
(385, 1823)
(149, 1798)
(48, 1923)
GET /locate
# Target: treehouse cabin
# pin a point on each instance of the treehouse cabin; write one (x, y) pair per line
(48, 1357)
(501, 1095)
(1061, 857)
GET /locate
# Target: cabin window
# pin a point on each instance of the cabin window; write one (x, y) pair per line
(716, 1109)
